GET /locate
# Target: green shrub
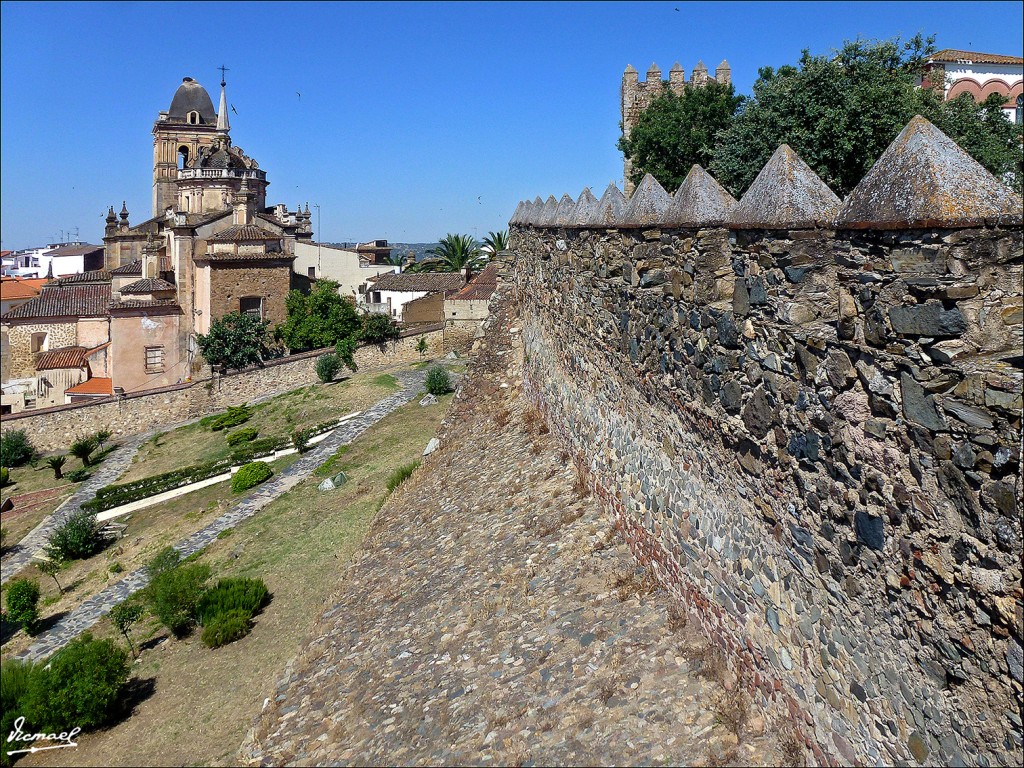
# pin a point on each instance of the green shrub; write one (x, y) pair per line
(78, 475)
(327, 367)
(124, 616)
(438, 381)
(102, 436)
(240, 436)
(232, 417)
(116, 567)
(400, 475)
(421, 346)
(251, 475)
(23, 604)
(15, 448)
(76, 538)
(5, 476)
(233, 594)
(56, 463)
(110, 496)
(379, 329)
(83, 448)
(257, 449)
(80, 687)
(15, 679)
(165, 560)
(173, 594)
(226, 628)
(300, 439)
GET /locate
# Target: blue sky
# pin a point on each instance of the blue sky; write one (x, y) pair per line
(415, 119)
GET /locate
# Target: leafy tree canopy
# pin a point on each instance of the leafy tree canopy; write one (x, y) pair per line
(675, 132)
(840, 112)
(321, 319)
(236, 341)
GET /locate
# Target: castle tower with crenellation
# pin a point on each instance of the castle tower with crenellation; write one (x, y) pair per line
(638, 94)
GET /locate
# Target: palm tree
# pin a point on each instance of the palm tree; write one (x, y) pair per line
(454, 253)
(56, 463)
(496, 241)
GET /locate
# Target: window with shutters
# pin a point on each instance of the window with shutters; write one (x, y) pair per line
(154, 359)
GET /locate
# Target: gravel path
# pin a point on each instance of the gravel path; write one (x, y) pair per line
(496, 618)
(91, 610)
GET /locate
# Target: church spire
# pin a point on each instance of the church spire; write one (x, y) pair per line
(222, 110)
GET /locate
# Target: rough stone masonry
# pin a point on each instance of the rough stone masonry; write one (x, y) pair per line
(805, 413)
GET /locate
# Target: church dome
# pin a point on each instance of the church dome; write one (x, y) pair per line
(192, 97)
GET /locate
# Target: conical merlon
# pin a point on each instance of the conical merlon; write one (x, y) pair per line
(648, 205)
(564, 210)
(609, 209)
(547, 214)
(700, 201)
(786, 194)
(924, 179)
(585, 209)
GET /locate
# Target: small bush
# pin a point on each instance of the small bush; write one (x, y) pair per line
(300, 439)
(116, 567)
(5, 476)
(226, 628)
(102, 436)
(80, 687)
(250, 476)
(78, 475)
(174, 593)
(232, 417)
(421, 346)
(15, 679)
(15, 448)
(400, 475)
(246, 595)
(23, 604)
(379, 329)
(240, 436)
(56, 463)
(166, 559)
(76, 539)
(438, 381)
(327, 367)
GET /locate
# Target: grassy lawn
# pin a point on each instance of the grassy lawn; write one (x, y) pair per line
(204, 701)
(278, 416)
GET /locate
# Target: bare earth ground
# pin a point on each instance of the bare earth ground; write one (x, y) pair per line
(494, 617)
(203, 701)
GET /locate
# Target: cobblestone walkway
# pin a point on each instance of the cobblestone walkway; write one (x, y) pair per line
(92, 609)
(495, 618)
(112, 468)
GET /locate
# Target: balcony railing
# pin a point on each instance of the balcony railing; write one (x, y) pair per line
(221, 173)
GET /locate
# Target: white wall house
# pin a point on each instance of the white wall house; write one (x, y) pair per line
(389, 294)
(981, 74)
(350, 269)
(64, 258)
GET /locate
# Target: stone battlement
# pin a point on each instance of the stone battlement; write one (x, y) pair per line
(806, 414)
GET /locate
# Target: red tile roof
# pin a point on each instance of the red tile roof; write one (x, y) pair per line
(65, 300)
(241, 233)
(417, 281)
(12, 288)
(131, 268)
(956, 55)
(94, 386)
(64, 357)
(481, 287)
(148, 285)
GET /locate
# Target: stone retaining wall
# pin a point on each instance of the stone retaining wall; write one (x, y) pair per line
(815, 436)
(55, 428)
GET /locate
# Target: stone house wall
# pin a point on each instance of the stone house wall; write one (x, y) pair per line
(22, 363)
(232, 281)
(53, 429)
(814, 438)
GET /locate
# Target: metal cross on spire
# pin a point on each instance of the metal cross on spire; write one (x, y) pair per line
(223, 69)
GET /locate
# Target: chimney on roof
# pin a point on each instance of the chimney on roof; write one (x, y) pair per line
(244, 204)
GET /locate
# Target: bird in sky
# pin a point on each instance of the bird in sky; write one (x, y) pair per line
(299, 95)
(233, 109)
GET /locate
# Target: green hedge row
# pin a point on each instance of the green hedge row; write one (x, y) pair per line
(232, 417)
(246, 435)
(250, 476)
(257, 449)
(110, 496)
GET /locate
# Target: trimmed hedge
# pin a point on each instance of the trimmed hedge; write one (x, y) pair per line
(110, 496)
(240, 436)
(232, 417)
(257, 449)
(250, 476)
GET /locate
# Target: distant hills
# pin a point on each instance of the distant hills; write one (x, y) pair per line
(420, 249)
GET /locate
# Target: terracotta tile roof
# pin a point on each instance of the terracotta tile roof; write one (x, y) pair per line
(149, 285)
(241, 233)
(95, 276)
(94, 386)
(20, 287)
(131, 268)
(418, 281)
(143, 304)
(65, 357)
(55, 300)
(956, 55)
(481, 287)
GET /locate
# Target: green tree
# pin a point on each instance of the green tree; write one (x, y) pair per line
(15, 448)
(236, 341)
(56, 463)
(453, 254)
(318, 320)
(51, 567)
(83, 449)
(840, 112)
(124, 616)
(421, 346)
(497, 241)
(23, 604)
(676, 131)
(379, 329)
(77, 538)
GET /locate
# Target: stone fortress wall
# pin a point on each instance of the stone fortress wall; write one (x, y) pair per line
(805, 415)
(52, 429)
